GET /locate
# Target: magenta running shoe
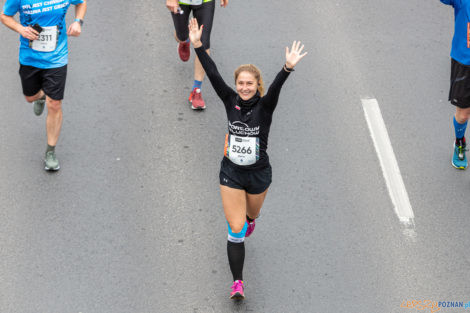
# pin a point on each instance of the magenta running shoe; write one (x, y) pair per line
(250, 229)
(237, 290)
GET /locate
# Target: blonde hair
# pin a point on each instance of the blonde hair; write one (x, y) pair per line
(250, 68)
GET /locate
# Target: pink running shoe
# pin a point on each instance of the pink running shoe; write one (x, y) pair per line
(250, 229)
(184, 51)
(237, 290)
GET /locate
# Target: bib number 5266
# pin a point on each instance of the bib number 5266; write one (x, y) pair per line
(242, 150)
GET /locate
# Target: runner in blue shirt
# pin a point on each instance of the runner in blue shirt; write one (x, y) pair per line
(44, 57)
(459, 94)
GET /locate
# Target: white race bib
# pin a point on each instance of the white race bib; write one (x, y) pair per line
(47, 41)
(191, 2)
(242, 150)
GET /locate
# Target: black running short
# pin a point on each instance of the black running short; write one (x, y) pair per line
(51, 81)
(459, 94)
(253, 181)
(204, 15)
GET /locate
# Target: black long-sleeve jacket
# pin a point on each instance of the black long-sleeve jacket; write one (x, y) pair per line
(245, 122)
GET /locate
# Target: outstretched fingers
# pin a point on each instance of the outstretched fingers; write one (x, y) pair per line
(192, 24)
(295, 54)
(302, 55)
(293, 46)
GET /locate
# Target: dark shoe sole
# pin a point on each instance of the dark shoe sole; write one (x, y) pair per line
(196, 108)
(237, 296)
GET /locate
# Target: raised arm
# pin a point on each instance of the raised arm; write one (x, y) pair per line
(292, 58)
(220, 87)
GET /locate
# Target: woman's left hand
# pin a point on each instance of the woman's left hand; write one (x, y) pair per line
(195, 33)
(223, 3)
(294, 55)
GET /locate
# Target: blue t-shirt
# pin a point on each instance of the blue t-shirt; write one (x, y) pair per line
(461, 41)
(45, 13)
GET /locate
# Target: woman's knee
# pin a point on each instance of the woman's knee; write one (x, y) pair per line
(237, 226)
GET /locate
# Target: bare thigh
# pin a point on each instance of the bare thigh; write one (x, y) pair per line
(234, 202)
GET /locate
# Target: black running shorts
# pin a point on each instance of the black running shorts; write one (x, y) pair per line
(51, 81)
(204, 15)
(459, 94)
(253, 181)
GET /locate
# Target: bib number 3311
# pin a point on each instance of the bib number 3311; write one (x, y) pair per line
(242, 150)
(47, 41)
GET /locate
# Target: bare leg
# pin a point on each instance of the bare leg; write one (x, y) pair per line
(254, 204)
(234, 202)
(198, 69)
(462, 115)
(37, 96)
(53, 121)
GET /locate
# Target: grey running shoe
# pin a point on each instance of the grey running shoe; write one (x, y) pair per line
(52, 164)
(38, 105)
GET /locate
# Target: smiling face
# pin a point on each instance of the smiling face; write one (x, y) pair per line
(247, 85)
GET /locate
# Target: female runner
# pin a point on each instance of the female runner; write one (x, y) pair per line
(245, 173)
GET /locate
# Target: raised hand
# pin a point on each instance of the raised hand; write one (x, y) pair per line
(294, 55)
(195, 33)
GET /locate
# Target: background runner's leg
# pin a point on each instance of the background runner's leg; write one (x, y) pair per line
(181, 23)
(37, 96)
(204, 15)
(462, 115)
(53, 121)
(198, 70)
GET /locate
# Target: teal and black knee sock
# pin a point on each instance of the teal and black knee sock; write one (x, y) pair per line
(236, 258)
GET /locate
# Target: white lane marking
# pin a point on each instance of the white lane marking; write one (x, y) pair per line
(388, 162)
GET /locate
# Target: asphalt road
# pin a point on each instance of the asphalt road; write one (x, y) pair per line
(133, 221)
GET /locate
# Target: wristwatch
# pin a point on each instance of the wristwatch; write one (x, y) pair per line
(79, 20)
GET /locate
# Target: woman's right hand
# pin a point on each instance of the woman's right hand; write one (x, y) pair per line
(195, 33)
(29, 33)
